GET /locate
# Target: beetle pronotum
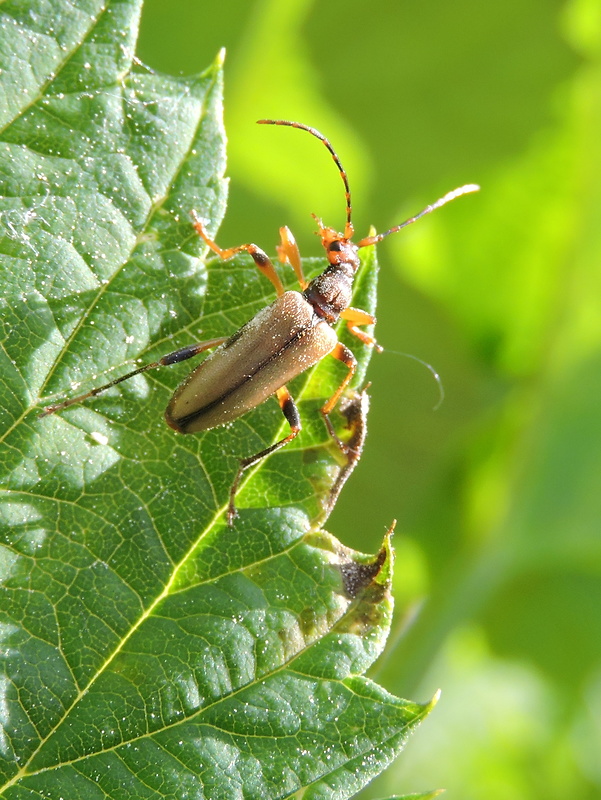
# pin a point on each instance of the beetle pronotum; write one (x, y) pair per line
(281, 341)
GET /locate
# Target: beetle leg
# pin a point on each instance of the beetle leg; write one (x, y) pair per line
(289, 253)
(354, 317)
(171, 358)
(290, 411)
(342, 353)
(260, 258)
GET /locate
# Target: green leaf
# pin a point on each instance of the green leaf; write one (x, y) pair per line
(148, 649)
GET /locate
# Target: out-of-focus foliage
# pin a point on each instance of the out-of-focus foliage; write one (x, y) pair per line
(497, 493)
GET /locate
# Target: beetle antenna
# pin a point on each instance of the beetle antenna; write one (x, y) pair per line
(348, 230)
(430, 368)
(467, 189)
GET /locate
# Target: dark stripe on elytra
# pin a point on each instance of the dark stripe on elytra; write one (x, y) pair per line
(183, 421)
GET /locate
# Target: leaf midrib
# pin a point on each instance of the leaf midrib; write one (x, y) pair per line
(284, 666)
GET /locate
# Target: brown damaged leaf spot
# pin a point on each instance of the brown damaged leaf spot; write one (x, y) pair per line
(363, 585)
(367, 583)
(357, 577)
(370, 597)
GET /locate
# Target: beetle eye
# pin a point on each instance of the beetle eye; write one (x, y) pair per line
(335, 246)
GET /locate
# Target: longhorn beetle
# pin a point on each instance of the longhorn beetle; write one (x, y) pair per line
(280, 341)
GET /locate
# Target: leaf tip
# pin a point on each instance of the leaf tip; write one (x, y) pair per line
(434, 700)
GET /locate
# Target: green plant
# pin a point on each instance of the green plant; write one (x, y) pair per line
(148, 650)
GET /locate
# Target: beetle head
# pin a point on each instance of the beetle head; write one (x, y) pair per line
(338, 246)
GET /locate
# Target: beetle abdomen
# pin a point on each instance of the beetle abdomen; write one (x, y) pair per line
(276, 345)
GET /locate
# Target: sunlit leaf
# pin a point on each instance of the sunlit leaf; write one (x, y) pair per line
(148, 649)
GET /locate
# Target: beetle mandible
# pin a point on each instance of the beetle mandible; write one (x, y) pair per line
(281, 341)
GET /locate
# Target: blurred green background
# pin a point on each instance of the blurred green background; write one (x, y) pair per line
(498, 492)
